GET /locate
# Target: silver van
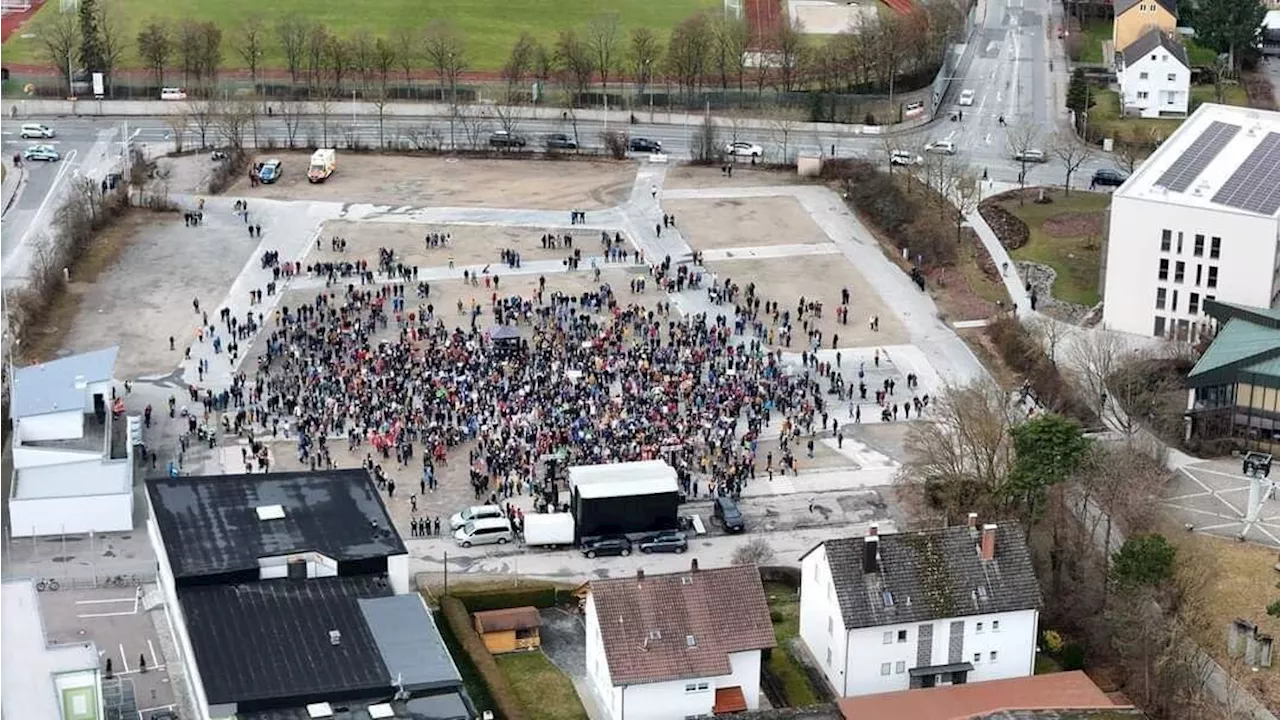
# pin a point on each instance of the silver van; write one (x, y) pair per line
(475, 512)
(485, 531)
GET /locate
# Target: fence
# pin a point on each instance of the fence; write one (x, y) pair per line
(80, 561)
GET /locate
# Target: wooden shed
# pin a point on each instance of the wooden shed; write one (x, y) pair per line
(509, 629)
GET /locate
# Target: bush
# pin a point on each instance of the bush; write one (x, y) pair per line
(753, 552)
(1010, 228)
(1053, 643)
(1023, 354)
(460, 623)
(1072, 657)
(537, 594)
(616, 144)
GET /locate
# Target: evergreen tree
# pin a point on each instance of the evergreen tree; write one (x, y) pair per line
(1080, 96)
(1231, 27)
(92, 52)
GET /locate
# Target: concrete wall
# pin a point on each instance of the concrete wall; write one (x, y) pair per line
(72, 515)
(821, 624)
(89, 477)
(27, 456)
(51, 426)
(398, 573)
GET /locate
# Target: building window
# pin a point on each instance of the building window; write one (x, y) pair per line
(977, 658)
(900, 667)
(1215, 247)
(1199, 246)
(1173, 305)
(1199, 273)
(994, 655)
(1153, 57)
(979, 627)
(1142, 76)
(902, 636)
(1179, 242)
(1164, 269)
(1179, 271)
(1166, 240)
(1172, 77)
(1213, 277)
(691, 687)
(1158, 330)
(995, 626)
(1161, 298)
(1142, 94)
(888, 637)
(885, 668)
(1193, 306)
(704, 686)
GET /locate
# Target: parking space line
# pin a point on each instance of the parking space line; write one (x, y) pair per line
(155, 659)
(158, 707)
(101, 602)
(114, 614)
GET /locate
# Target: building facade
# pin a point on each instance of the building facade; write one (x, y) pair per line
(1234, 389)
(677, 645)
(1134, 18)
(1155, 76)
(916, 610)
(1199, 221)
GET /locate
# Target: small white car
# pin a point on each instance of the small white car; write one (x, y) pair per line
(46, 153)
(743, 149)
(966, 97)
(36, 130)
(903, 157)
(941, 147)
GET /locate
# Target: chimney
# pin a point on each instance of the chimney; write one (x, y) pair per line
(988, 542)
(335, 637)
(871, 553)
(973, 523)
(639, 574)
(693, 565)
(873, 529)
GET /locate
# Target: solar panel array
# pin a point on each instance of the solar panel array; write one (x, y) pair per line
(1255, 185)
(1188, 167)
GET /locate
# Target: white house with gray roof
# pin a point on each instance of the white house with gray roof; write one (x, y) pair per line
(72, 459)
(914, 610)
(1154, 75)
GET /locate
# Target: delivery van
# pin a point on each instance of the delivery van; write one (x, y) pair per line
(323, 162)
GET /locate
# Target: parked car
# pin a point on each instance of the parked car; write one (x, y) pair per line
(726, 511)
(36, 130)
(903, 157)
(742, 148)
(966, 97)
(173, 93)
(485, 531)
(502, 138)
(475, 512)
(597, 547)
(941, 147)
(1032, 155)
(639, 144)
(560, 141)
(270, 171)
(1108, 177)
(665, 542)
(41, 152)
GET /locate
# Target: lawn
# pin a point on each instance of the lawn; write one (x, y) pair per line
(471, 679)
(1104, 116)
(1066, 235)
(544, 691)
(1097, 31)
(784, 606)
(490, 30)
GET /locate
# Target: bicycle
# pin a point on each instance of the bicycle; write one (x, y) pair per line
(51, 585)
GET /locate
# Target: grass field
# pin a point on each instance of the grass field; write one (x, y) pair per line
(544, 691)
(784, 601)
(490, 30)
(1105, 114)
(1097, 31)
(1066, 235)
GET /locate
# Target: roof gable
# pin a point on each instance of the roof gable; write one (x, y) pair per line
(1150, 40)
(930, 575)
(680, 625)
(1123, 6)
(1239, 340)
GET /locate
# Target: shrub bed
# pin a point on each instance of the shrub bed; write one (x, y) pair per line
(1010, 228)
(504, 697)
(1023, 354)
(536, 593)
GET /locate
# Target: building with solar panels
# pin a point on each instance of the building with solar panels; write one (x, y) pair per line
(289, 598)
(1198, 221)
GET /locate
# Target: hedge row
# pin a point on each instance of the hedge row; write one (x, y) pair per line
(538, 594)
(1023, 354)
(460, 623)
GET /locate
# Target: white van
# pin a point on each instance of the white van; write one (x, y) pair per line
(485, 531)
(173, 94)
(36, 130)
(475, 512)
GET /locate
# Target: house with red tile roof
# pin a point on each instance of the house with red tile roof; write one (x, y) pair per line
(677, 645)
(1056, 696)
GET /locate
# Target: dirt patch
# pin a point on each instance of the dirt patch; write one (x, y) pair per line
(744, 222)
(469, 244)
(705, 176)
(1070, 225)
(400, 180)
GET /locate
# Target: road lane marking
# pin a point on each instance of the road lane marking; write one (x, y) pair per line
(123, 659)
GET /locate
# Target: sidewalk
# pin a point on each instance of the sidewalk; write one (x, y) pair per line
(15, 178)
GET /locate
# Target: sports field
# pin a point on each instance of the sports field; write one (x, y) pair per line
(490, 28)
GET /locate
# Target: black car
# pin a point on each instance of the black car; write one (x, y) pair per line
(560, 141)
(595, 547)
(666, 542)
(502, 138)
(639, 144)
(727, 512)
(1108, 177)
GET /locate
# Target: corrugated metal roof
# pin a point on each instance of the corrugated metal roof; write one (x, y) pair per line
(620, 479)
(410, 643)
(51, 387)
(1238, 340)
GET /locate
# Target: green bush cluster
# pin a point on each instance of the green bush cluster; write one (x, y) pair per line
(455, 612)
(538, 594)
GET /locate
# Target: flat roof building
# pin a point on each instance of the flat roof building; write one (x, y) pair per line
(1233, 388)
(1198, 221)
(290, 600)
(42, 681)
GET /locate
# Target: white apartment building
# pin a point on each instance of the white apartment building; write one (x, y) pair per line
(1199, 220)
(1154, 76)
(902, 611)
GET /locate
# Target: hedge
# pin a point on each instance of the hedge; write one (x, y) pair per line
(536, 593)
(455, 612)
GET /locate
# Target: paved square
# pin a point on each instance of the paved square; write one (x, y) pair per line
(1212, 497)
(744, 222)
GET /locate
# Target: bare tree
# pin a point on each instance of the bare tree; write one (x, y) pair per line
(380, 104)
(645, 55)
(687, 52)
(233, 120)
(363, 58)
(783, 127)
(317, 43)
(1022, 139)
(251, 45)
(1072, 154)
(789, 46)
(1050, 333)
(408, 45)
(753, 552)
(323, 104)
(177, 123)
(209, 52)
(576, 62)
(508, 118)
(203, 114)
(59, 35)
(291, 115)
(114, 39)
(519, 63)
(602, 40)
(424, 138)
(338, 56)
(475, 125)
(291, 33)
(965, 194)
(705, 146)
(384, 61)
(731, 39)
(446, 50)
(155, 47)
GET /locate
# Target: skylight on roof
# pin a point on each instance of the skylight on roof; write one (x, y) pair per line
(270, 512)
(315, 711)
(381, 711)
(690, 641)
